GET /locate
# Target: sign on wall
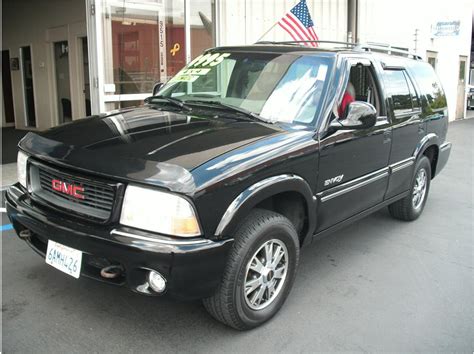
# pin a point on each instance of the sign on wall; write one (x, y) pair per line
(446, 28)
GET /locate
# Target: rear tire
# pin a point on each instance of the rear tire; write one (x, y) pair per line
(411, 207)
(260, 271)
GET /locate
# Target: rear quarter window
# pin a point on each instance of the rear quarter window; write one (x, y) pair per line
(433, 96)
(397, 88)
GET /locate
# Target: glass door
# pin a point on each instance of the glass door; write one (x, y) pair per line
(28, 90)
(137, 36)
(7, 88)
(85, 72)
(137, 43)
(63, 82)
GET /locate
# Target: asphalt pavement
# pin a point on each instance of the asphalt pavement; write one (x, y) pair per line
(377, 285)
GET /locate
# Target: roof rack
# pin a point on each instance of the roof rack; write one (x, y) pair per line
(386, 48)
(347, 44)
(366, 47)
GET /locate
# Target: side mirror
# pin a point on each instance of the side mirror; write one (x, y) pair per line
(156, 88)
(360, 115)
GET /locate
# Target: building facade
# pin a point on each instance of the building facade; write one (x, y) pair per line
(66, 59)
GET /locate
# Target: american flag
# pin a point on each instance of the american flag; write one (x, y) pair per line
(297, 22)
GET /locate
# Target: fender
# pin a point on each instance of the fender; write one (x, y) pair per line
(262, 190)
(428, 140)
(433, 140)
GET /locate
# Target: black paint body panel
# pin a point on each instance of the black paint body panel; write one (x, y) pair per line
(213, 161)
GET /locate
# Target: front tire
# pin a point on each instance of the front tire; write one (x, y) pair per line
(411, 207)
(260, 272)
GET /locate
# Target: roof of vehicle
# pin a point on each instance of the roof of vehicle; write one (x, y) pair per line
(275, 47)
(337, 47)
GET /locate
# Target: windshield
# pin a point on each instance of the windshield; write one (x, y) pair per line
(278, 87)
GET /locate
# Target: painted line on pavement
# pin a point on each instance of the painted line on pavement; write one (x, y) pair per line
(7, 227)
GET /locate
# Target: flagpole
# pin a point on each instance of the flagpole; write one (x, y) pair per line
(263, 35)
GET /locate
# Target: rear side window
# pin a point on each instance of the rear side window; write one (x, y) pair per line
(414, 97)
(433, 97)
(397, 87)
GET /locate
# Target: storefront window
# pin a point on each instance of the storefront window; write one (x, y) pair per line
(175, 39)
(126, 104)
(145, 42)
(203, 21)
(135, 47)
(148, 43)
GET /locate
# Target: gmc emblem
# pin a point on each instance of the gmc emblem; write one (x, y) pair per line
(70, 189)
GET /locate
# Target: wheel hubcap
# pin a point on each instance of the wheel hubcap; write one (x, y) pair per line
(265, 274)
(419, 188)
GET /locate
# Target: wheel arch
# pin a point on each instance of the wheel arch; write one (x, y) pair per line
(287, 187)
(429, 147)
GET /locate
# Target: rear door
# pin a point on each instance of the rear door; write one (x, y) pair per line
(408, 127)
(353, 172)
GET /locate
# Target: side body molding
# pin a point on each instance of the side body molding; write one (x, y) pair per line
(262, 190)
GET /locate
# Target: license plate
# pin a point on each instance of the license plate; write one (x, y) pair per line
(66, 259)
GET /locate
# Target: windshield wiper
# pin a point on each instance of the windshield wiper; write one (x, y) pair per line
(173, 101)
(250, 114)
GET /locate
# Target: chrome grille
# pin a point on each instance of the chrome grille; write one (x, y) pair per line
(98, 199)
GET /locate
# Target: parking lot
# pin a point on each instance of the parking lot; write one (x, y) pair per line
(377, 285)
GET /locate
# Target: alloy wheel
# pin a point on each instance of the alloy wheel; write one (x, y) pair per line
(266, 274)
(419, 188)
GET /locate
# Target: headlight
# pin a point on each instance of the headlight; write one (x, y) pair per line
(159, 212)
(21, 161)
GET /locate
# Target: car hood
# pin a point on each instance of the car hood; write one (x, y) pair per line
(145, 144)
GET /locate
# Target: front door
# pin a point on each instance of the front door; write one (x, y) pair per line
(7, 88)
(353, 170)
(408, 127)
(86, 89)
(144, 45)
(63, 83)
(28, 86)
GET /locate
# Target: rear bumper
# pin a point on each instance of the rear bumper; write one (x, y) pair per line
(470, 101)
(192, 267)
(443, 156)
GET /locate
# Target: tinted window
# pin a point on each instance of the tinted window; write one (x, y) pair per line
(397, 87)
(414, 96)
(279, 87)
(433, 97)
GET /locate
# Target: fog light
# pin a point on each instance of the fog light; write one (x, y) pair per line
(156, 281)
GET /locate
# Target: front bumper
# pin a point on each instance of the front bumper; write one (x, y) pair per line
(192, 267)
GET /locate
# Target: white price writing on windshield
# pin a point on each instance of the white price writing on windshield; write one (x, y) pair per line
(208, 60)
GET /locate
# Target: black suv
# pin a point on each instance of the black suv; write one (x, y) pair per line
(210, 190)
